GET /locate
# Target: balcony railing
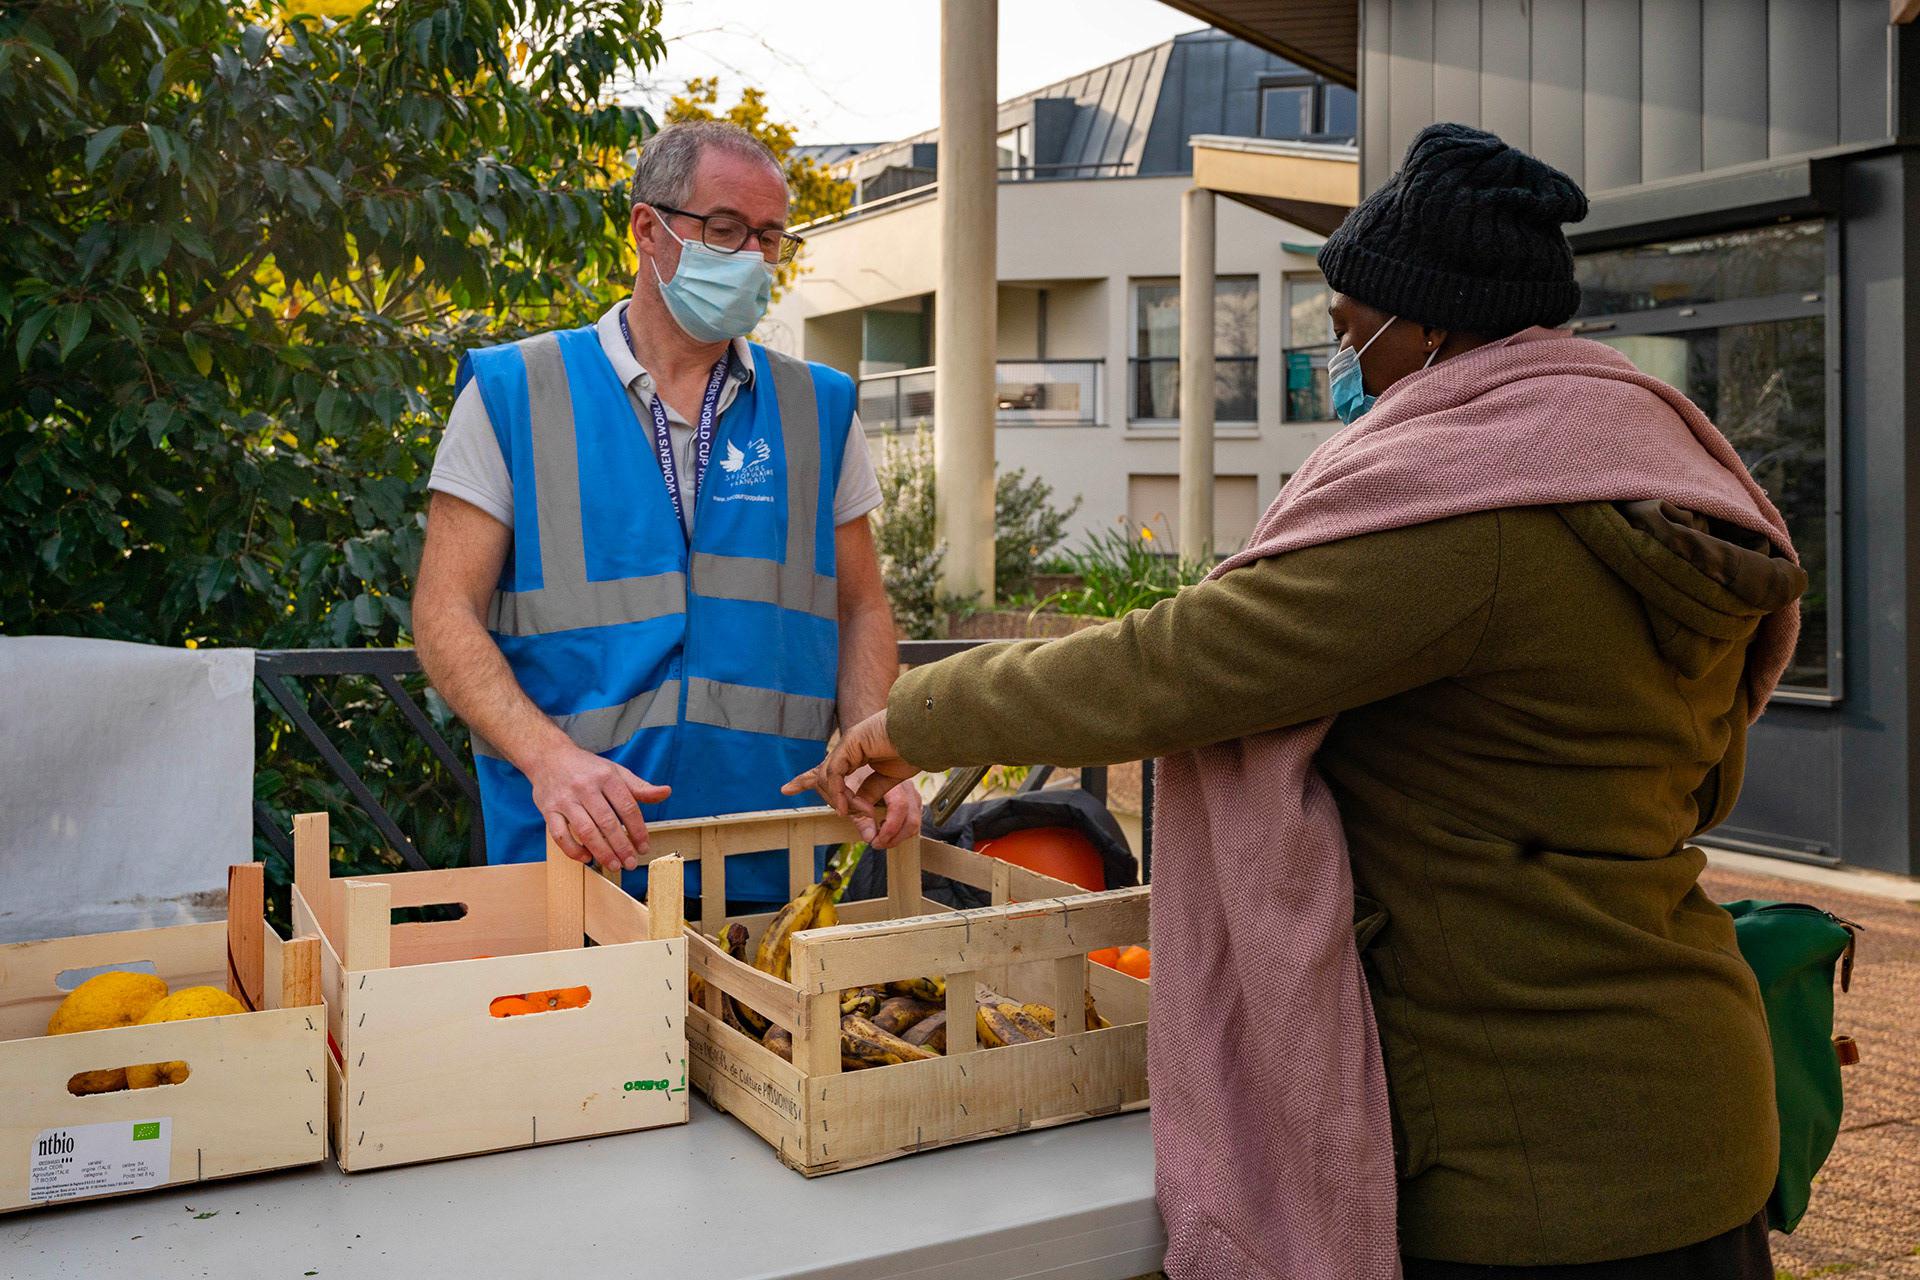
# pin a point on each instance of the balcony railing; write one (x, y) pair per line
(1029, 393)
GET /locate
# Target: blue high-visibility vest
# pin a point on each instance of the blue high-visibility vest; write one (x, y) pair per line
(708, 668)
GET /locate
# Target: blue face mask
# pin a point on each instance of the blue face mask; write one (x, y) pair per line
(715, 296)
(1349, 385)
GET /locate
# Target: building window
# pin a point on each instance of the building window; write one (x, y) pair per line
(1016, 152)
(1741, 324)
(1298, 107)
(1309, 345)
(1155, 389)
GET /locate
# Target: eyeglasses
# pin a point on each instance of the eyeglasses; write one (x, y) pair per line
(724, 233)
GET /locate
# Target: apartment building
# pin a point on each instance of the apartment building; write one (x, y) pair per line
(1091, 174)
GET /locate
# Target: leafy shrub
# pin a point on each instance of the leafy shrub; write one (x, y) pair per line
(1120, 571)
(1027, 526)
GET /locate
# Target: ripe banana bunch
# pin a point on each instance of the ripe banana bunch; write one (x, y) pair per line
(931, 990)
(744, 1019)
(897, 1014)
(861, 1000)
(862, 1045)
(780, 1040)
(813, 909)
(1002, 1022)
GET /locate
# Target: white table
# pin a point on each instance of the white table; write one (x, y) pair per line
(707, 1201)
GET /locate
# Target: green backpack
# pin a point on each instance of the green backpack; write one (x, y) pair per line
(1792, 949)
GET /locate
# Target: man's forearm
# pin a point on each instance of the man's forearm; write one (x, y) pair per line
(470, 672)
(869, 663)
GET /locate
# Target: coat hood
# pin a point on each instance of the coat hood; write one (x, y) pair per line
(1704, 583)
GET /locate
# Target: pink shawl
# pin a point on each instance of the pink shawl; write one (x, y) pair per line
(1270, 1122)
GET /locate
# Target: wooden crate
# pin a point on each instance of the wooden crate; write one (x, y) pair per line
(254, 1098)
(1031, 945)
(419, 1069)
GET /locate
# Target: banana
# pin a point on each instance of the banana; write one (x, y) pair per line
(733, 940)
(997, 1030)
(929, 1033)
(901, 1012)
(861, 1000)
(1095, 1022)
(775, 953)
(931, 990)
(862, 1045)
(780, 1040)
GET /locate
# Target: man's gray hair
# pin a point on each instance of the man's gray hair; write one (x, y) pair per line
(664, 174)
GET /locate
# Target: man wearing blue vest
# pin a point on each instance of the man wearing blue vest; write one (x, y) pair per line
(649, 586)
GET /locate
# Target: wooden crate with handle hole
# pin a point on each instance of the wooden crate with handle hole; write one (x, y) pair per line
(435, 1050)
(1030, 945)
(253, 1092)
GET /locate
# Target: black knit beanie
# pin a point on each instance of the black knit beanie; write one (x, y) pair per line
(1466, 236)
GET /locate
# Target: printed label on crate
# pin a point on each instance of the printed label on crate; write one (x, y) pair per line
(95, 1159)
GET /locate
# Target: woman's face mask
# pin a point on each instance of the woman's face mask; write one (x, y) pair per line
(715, 296)
(1349, 384)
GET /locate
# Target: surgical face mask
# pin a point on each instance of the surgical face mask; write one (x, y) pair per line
(1349, 384)
(715, 296)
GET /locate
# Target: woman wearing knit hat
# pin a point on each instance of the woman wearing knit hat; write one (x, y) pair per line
(1434, 982)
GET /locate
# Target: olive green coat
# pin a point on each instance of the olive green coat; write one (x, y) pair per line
(1538, 708)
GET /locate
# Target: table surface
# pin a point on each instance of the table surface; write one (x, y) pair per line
(708, 1199)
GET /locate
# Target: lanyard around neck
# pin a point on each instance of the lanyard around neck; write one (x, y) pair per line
(702, 434)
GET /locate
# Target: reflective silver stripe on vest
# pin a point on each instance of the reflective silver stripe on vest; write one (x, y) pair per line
(587, 604)
(565, 600)
(739, 706)
(790, 586)
(604, 728)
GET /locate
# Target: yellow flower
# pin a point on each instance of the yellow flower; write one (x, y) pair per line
(1146, 534)
(193, 644)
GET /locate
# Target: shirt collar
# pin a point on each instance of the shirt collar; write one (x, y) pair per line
(620, 355)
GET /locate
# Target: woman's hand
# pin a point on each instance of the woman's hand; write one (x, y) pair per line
(865, 745)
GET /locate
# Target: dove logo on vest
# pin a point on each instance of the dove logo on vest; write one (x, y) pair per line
(743, 471)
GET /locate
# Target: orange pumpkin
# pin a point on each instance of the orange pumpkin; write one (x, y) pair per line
(1108, 956)
(1136, 962)
(1060, 852)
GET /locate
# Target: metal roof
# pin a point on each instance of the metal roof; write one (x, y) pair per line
(1130, 116)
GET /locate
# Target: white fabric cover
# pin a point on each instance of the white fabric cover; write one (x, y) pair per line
(126, 783)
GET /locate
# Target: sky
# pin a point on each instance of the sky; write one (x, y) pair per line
(869, 70)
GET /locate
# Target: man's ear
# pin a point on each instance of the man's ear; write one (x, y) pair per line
(638, 219)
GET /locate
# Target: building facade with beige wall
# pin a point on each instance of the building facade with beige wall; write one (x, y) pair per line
(1088, 264)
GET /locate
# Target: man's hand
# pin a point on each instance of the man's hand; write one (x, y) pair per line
(901, 820)
(866, 744)
(592, 806)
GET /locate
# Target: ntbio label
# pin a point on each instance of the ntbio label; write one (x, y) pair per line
(97, 1159)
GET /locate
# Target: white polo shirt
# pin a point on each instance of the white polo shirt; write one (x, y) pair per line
(470, 466)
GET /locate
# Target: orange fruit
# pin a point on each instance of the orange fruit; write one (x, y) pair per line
(510, 1006)
(1108, 956)
(561, 998)
(1136, 962)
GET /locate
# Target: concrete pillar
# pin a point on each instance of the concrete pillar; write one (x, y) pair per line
(1196, 374)
(964, 310)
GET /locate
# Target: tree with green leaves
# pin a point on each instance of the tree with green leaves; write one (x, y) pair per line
(246, 248)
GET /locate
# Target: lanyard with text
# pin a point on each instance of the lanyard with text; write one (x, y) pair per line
(702, 434)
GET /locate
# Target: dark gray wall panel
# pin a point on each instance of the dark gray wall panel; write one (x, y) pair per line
(1669, 88)
(1733, 82)
(1559, 86)
(1803, 76)
(1456, 60)
(1863, 95)
(1612, 94)
(1410, 72)
(1506, 66)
